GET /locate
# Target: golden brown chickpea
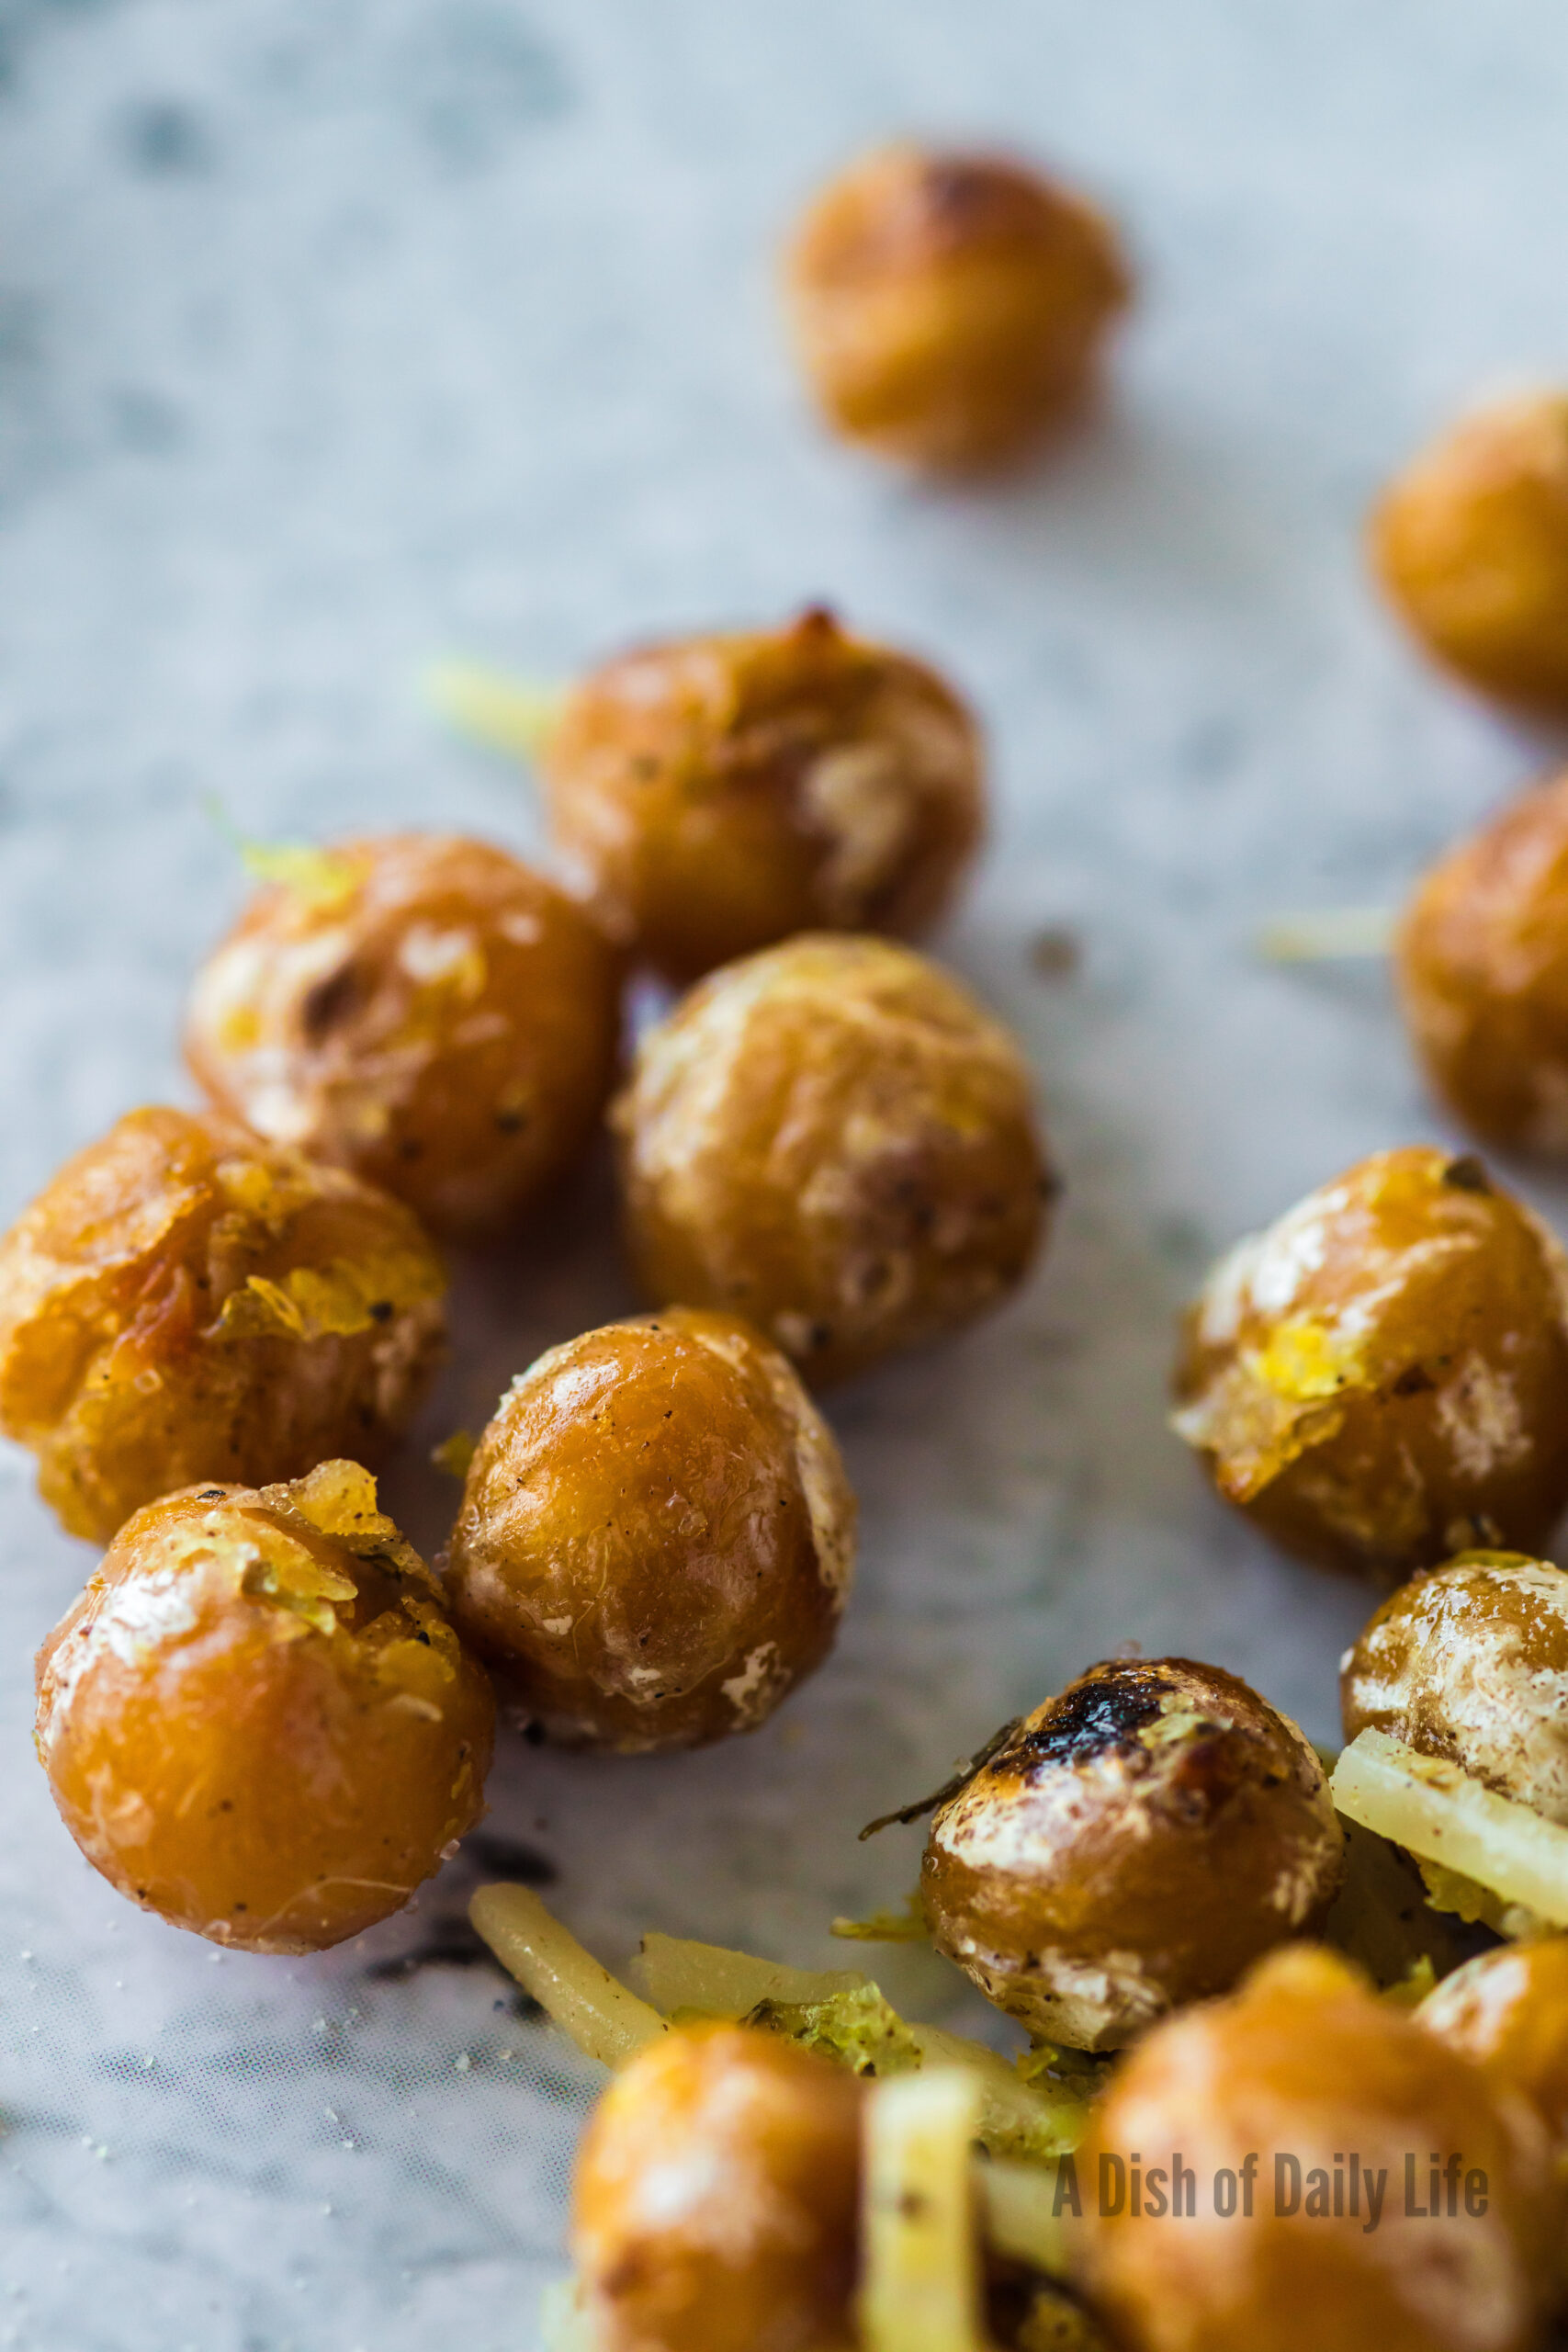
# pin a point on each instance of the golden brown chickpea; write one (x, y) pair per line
(716, 2198)
(1507, 2011)
(657, 1535)
(1468, 1663)
(1470, 543)
(1383, 1376)
(422, 1009)
(257, 1720)
(948, 309)
(183, 1301)
(722, 792)
(1304, 2066)
(833, 1139)
(1482, 964)
(1136, 1843)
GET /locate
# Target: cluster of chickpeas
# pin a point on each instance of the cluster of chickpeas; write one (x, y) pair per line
(267, 1719)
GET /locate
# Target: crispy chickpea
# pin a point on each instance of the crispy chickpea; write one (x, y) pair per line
(1508, 2010)
(657, 1535)
(716, 2198)
(1302, 2066)
(949, 309)
(183, 1301)
(257, 1720)
(1466, 1663)
(1470, 542)
(1136, 1844)
(1383, 1376)
(722, 792)
(423, 1010)
(833, 1139)
(1483, 965)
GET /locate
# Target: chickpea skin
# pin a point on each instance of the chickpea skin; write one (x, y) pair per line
(715, 2206)
(423, 1010)
(1465, 1663)
(1507, 2011)
(721, 793)
(1471, 543)
(185, 1302)
(1137, 1842)
(949, 309)
(1381, 1377)
(257, 1721)
(656, 1536)
(834, 1140)
(1304, 2063)
(1483, 967)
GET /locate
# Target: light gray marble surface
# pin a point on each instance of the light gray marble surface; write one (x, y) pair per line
(337, 334)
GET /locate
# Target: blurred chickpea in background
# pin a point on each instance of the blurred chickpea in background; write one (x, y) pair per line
(949, 309)
(1471, 543)
(721, 792)
(1302, 2063)
(716, 2199)
(424, 1010)
(1482, 969)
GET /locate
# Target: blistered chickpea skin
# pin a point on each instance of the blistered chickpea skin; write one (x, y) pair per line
(949, 309)
(1134, 1845)
(715, 2207)
(657, 1535)
(1380, 1379)
(257, 1721)
(1470, 543)
(1483, 967)
(186, 1302)
(833, 1139)
(721, 792)
(1304, 2063)
(423, 1010)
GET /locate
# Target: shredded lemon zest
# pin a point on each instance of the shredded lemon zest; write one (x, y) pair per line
(348, 1295)
(508, 714)
(323, 879)
(454, 1453)
(1324, 933)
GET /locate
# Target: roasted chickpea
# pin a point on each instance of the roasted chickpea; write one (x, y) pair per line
(722, 792)
(183, 1301)
(1482, 964)
(1136, 1842)
(833, 1139)
(1470, 543)
(657, 1535)
(1508, 2010)
(423, 1010)
(716, 2198)
(1466, 1663)
(948, 309)
(257, 1720)
(1304, 2084)
(1383, 1376)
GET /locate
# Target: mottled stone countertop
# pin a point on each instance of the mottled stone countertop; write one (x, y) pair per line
(339, 334)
